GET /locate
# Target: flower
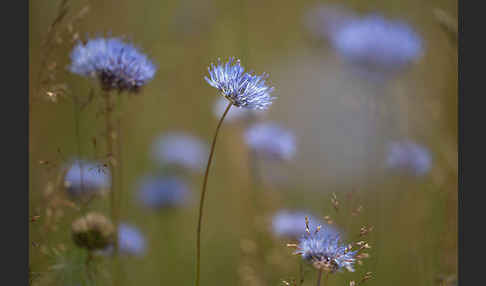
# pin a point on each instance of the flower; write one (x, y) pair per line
(163, 192)
(291, 224)
(118, 65)
(271, 140)
(240, 88)
(181, 149)
(84, 180)
(409, 156)
(93, 231)
(130, 240)
(375, 42)
(323, 249)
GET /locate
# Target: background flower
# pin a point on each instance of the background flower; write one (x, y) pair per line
(408, 156)
(163, 192)
(118, 65)
(271, 141)
(85, 179)
(180, 149)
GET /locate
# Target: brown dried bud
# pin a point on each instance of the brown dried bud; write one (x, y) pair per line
(93, 231)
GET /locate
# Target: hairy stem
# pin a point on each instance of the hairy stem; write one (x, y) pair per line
(203, 195)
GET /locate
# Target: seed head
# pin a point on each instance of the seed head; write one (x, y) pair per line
(93, 231)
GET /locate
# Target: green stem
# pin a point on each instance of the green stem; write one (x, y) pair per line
(76, 111)
(319, 275)
(203, 195)
(109, 149)
(89, 258)
(301, 272)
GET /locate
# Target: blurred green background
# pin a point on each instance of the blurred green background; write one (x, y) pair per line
(341, 124)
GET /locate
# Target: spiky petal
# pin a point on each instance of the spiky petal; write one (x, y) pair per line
(117, 65)
(243, 89)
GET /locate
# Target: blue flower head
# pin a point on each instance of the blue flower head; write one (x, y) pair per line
(410, 157)
(86, 179)
(323, 249)
(181, 149)
(241, 88)
(161, 193)
(270, 140)
(117, 65)
(290, 224)
(376, 43)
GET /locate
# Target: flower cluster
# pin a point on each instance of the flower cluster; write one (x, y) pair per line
(323, 249)
(374, 41)
(117, 65)
(242, 89)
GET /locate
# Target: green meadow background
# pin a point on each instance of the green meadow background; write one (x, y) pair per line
(341, 123)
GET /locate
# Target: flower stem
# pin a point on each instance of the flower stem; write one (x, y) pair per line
(301, 272)
(87, 262)
(109, 150)
(319, 275)
(203, 195)
(76, 111)
(111, 165)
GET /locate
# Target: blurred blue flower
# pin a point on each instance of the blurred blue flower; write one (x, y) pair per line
(291, 224)
(164, 192)
(323, 249)
(180, 149)
(240, 88)
(130, 240)
(116, 64)
(271, 141)
(85, 179)
(409, 156)
(374, 42)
